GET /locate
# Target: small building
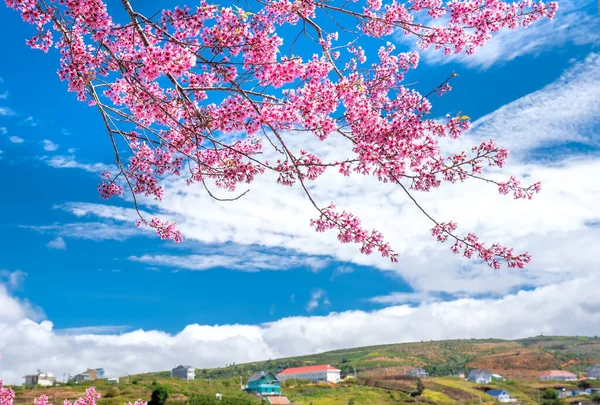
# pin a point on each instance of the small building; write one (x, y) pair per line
(83, 377)
(564, 393)
(41, 378)
(185, 372)
(480, 376)
(500, 395)
(89, 375)
(320, 373)
(558, 375)
(264, 383)
(417, 372)
(496, 377)
(113, 380)
(593, 372)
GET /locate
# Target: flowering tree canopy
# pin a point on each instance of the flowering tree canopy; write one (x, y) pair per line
(169, 86)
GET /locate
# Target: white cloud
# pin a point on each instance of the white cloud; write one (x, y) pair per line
(27, 345)
(575, 23)
(16, 139)
(72, 150)
(1, 152)
(96, 231)
(317, 298)
(13, 279)
(3, 130)
(4, 95)
(69, 162)
(6, 112)
(95, 330)
(564, 111)
(49, 146)
(32, 122)
(57, 243)
(236, 258)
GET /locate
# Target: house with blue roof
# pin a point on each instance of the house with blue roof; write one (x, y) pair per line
(500, 395)
(264, 383)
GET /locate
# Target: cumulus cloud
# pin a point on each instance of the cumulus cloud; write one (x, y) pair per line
(49, 146)
(27, 344)
(57, 243)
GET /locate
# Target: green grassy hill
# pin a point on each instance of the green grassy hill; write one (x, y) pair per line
(381, 375)
(519, 359)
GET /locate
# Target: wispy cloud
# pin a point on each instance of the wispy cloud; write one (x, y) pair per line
(3, 131)
(250, 261)
(318, 298)
(32, 122)
(575, 23)
(49, 146)
(57, 243)
(69, 162)
(13, 279)
(6, 112)
(4, 95)
(16, 139)
(1, 152)
(96, 231)
(94, 330)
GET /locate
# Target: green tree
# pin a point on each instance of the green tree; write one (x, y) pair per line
(583, 384)
(550, 393)
(595, 398)
(159, 396)
(351, 401)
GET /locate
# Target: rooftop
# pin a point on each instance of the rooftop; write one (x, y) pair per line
(309, 369)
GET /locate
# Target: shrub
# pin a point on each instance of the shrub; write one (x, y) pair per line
(112, 392)
(159, 396)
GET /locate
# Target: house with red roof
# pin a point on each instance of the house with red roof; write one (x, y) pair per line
(558, 375)
(324, 372)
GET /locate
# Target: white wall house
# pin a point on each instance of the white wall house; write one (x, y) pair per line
(321, 373)
(185, 372)
(43, 379)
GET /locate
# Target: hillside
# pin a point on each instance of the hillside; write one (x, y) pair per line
(381, 375)
(519, 359)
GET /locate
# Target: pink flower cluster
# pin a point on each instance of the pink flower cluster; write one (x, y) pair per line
(189, 91)
(6, 395)
(91, 398)
(350, 230)
(470, 246)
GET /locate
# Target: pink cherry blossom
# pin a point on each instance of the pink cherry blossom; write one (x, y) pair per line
(199, 92)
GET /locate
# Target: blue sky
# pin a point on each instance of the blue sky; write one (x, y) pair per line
(69, 258)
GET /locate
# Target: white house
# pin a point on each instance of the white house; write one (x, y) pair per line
(43, 379)
(558, 375)
(185, 372)
(323, 372)
(480, 376)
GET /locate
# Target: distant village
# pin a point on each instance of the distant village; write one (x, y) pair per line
(268, 385)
